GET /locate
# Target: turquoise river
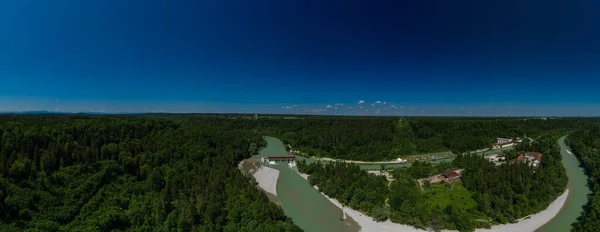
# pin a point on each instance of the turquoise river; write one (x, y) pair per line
(314, 213)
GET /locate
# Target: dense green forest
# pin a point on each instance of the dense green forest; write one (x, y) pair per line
(487, 195)
(378, 138)
(585, 144)
(350, 185)
(178, 172)
(139, 173)
(509, 192)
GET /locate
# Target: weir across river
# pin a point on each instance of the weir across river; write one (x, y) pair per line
(287, 159)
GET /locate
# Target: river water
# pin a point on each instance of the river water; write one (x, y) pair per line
(313, 212)
(310, 210)
(578, 193)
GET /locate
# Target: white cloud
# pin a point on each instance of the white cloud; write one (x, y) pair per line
(373, 104)
(378, 111)
(329, 106)
(384, 103)
(287, 107)
(401, 107)
(361, 102)
(339, 104)
(350, 107)
(393, 106)
(378, 102)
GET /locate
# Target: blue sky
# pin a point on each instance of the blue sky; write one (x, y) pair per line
(438, 57)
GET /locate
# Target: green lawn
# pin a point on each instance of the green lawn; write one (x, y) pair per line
(441, 194)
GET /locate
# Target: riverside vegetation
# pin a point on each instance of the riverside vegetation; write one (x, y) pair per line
(585, 144)
(487, 195)
(178, 172)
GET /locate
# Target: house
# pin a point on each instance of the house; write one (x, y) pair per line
(497, 157)
(501, 157)
(531, 158)
(503, 145)
(518, 159)
(535, 157)
(534, 154)
(503, 140)
(451, 175)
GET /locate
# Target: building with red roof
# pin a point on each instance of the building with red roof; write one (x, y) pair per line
(451, 175)
(532, 158)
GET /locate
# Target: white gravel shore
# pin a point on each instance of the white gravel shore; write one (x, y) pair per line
(267, 179)
(534, 221)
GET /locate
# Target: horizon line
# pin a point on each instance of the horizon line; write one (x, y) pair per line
(39, 112)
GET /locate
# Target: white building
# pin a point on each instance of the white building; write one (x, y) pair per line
(502, 143)
(496, 158)
(400, 160)
(503, 140)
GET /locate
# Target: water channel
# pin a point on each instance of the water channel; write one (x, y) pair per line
(313, 212)
(394, 165)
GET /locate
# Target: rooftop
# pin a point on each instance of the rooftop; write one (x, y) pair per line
(451, 174)
(518, 159)
(537, 155)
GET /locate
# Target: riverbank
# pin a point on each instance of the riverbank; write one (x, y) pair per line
(578, 192)
(266, 178)
(527, 224)
(535, 221)
(365, 222)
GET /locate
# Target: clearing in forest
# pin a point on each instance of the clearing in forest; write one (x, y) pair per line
(449, 193)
